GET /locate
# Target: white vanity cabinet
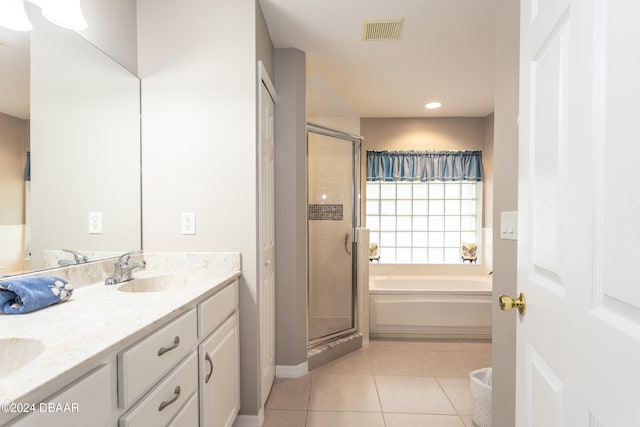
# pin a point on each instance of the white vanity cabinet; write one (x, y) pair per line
(219, 363)
(188, 415)
(166, 400)
(184, 373)
(220, 376)
(204, 388)
(143, 364)
(88, 401)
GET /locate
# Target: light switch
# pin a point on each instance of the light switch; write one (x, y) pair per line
(509, 225)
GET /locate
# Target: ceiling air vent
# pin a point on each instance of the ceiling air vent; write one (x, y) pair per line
(382, 29)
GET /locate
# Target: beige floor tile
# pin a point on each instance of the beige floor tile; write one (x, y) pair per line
(276, 418)
(356, 363)
(468, 422)
(417, 395)
(393, 345)
(350, 419)
(290, 393)
(421, 420)
(344, 393)
(453, 364)
(416, 383)
(458, 390)
(484, 356)
(430, 345)
(401, 362)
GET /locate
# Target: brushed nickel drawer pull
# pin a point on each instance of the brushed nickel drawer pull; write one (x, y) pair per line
(163, 350)
(208, 377)
(167, 403)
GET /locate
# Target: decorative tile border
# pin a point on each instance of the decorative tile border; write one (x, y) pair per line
(325, 212)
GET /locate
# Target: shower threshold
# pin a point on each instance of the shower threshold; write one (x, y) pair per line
(327, 351)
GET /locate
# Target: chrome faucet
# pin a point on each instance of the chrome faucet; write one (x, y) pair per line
(77, 256)
(124, 268)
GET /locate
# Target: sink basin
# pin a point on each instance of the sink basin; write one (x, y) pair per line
(16, 353)
(154, 284)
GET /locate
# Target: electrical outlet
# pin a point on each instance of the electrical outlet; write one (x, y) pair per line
(188, 223)
(95, 222)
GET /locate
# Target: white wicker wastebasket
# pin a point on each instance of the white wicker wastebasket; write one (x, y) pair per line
(481, 397)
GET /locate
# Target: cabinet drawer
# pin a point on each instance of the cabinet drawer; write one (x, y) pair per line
(213, 311)
(188, 415)
(167, 398)
(143, 364)
(86, 402)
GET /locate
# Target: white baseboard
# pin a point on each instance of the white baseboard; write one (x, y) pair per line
(250, 420)
(287, 371)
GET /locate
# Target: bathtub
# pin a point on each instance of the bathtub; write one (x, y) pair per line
(430, 306)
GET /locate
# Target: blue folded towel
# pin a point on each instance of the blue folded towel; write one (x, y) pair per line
(26, 294)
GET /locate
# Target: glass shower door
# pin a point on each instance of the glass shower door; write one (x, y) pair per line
(332, 219)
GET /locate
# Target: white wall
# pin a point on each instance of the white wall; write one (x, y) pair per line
(197, 62)
(348, 123)
(505, 199)
(112, 27)
(291, 208)
(488, 194)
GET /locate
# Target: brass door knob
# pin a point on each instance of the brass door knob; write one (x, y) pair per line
(507, 303)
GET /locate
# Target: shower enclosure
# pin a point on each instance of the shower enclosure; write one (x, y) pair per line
(333, 216)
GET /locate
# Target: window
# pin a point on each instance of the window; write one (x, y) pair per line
(423, 222)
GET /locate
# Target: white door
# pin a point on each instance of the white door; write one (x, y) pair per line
(578, 345)
(267, 235)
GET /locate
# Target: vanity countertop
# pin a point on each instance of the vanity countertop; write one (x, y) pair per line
(93, 324)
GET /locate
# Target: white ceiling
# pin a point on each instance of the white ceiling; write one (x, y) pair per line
(445, 53)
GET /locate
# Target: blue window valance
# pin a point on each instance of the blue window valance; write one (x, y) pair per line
(424, 166)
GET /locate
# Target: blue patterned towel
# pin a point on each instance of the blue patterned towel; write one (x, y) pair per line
(26, 294)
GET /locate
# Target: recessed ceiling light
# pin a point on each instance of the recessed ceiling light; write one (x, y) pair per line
(433, 105)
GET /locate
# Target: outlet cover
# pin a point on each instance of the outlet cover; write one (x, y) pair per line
(188, 223)
(95, 222)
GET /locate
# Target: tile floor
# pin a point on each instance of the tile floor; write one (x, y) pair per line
(389, 383)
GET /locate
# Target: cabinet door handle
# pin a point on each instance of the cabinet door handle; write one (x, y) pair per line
(208, 377)
(163, 350)
(169, 402)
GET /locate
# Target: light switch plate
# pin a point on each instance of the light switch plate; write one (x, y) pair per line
(509, 225)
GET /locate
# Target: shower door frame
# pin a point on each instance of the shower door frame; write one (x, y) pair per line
(356, 141)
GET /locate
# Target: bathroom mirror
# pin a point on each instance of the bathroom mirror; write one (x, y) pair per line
(82, 129)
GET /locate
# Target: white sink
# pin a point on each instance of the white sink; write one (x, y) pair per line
(16, 353)
(154, 284)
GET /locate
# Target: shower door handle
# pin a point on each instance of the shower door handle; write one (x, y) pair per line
(346, 241)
